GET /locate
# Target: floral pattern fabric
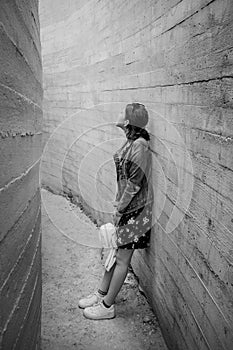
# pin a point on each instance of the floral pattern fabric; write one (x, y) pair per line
(134, 229)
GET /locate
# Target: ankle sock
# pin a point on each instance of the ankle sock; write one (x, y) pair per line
(101, 292)
(106, 305)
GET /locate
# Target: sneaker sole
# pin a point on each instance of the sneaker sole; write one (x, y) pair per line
(100, 318)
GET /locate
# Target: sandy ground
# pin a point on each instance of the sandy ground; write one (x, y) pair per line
(72, 267)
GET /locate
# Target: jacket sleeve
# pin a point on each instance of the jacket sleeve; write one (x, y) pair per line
(136, 172)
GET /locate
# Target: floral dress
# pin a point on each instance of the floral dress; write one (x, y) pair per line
(134, 227)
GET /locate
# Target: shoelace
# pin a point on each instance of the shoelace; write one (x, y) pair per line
(97, 303)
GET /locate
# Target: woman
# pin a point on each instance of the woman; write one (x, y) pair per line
(133, 213)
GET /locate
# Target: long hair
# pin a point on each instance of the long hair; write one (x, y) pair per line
(137, 115)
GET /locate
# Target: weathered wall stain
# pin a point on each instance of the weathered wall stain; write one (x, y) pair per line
(20, 140)
(176, 58)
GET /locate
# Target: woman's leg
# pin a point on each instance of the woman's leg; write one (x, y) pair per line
(104, 285)
(114, 279)
(118, 274)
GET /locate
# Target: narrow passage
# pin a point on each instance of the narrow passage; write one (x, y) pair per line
(72, 270)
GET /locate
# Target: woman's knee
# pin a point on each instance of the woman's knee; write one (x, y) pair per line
(123, 257)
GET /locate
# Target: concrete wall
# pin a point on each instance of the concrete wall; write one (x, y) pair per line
(176, 58)
(20, 143)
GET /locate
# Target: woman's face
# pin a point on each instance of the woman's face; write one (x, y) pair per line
(122, 121)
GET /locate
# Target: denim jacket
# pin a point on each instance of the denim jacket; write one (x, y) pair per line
(133, 167)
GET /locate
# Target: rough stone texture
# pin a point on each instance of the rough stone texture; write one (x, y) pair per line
(20, 142)
(175, 57)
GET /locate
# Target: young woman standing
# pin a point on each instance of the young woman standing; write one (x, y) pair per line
(133, 209)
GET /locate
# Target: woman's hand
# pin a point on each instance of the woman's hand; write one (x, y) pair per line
(116, 218)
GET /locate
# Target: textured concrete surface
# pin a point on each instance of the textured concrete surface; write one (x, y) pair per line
(20, 143)
(176, 58)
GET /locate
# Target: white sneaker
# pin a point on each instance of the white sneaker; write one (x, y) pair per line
(99, 312)
(90, 300)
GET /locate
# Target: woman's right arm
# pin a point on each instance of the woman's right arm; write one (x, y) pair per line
(138, 163)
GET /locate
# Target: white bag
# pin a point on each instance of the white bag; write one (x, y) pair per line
(108, 237)
(111, 258)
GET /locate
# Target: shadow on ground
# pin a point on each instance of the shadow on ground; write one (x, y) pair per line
(72, 270)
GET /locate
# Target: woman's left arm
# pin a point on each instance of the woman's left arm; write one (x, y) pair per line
(138, 163)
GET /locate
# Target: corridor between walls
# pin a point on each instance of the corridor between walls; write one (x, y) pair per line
(175, 57)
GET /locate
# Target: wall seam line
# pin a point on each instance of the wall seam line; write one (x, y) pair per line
(17, 48)
(27, 312)
(25, 98)
(189, 263)
(22, 252)
(4, 188)
(22, 213)
(23, 287)
(188, 305)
